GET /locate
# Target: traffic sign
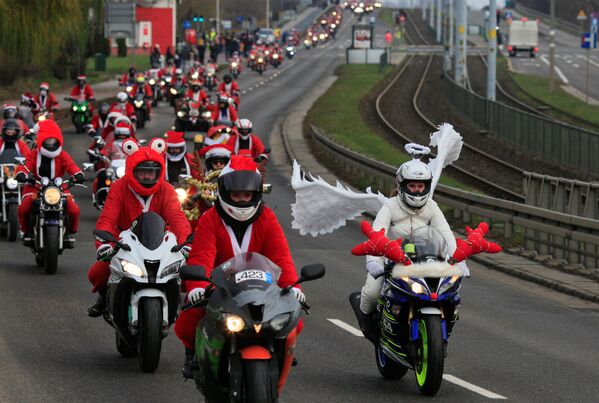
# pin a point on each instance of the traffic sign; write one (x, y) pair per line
(581, 16)
(186, 24)
(594, 24)
(588, 40)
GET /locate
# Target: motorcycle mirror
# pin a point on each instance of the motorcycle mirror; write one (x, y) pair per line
(193, 273)
(267, 188)
(190, 238)
(142, 141)
(87, 166)
(20, 160)
(312, 272)
(104, 236)
(92, 153)
(267, 150)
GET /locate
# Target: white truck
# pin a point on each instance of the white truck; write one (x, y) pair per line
(523, 36)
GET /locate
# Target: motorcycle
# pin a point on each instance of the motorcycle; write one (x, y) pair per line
(416, 310)
(308, 43)
(245, 345)
(176, 95)
(50, 221)
(141, 110)
(260, 65)
(234, 69)
(290, 52)
(195, 117)
(143, 288)
(165, 85)
(80, 113)
(155, 91)
(209, 80)
(108, 169)
(275, 59)
(10, 196)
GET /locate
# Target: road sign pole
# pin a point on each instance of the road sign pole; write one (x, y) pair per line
(492, 50)
(439, 17)
(431, 22)
(461, 42)
(267, 13)
(588, 72)
(217, 19)
(552, 48)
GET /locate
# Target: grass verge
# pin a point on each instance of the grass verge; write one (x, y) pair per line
(337, 112)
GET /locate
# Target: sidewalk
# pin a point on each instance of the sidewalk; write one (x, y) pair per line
(297, 147)
(298, 18)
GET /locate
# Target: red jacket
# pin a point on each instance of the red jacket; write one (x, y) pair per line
(129, 109)
(191, 165)
(50, 103)
(212, 245)
(231, 115)
(87, 92)
(123, 206)
(256, 146)
(60, 166)
(200, 96)
(232, 88)
(97, 123)
(21, 147)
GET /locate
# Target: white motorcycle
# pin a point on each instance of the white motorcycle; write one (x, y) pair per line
(143, 288)
(109, 167)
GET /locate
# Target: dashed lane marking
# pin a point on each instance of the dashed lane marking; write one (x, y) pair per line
(346, 327)
(476, 389)
(590, 61)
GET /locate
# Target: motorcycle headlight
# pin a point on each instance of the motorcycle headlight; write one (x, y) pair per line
(74, 109)
(417, 288)
(448, 285)
(138, 104)
(152, 81)
(52, 196)
(333, 26)
(260, 60)
(280, 321)
(289, 48)
(181, 194)
(180, 114)
(109, 173)
(120, 172)
(83, 108)
(234, 65)
(11, 183)
(173, 91)
(207, 115)
(129, 89)
(234, 323)
(168, 79)
(275, 56)
(171, 269)
(132, 268)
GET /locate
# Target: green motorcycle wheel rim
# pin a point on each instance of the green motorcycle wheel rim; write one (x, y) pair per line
(422, 364)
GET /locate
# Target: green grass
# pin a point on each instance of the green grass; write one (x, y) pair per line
(117, 65)
(337, 113)
(386, 15)
(537, 87)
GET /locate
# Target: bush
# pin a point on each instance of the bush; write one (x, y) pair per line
(121, 44)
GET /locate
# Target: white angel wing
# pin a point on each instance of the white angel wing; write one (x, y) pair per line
(321, 208)
(449, 145)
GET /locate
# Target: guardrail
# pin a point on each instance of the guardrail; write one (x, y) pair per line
(572, 238)
(564, 25)
(549, 139)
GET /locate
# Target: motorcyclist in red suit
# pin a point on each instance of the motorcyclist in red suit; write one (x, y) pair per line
(142, 189)
(83, 90)
(196, 93)
(51, 161)
(224, 112)
(230, 87)
(11, 112)
(244, 142)
(239, 222)
(11, 139)
(45, 100)
(177, 160)
(99, 120)
(123, 106)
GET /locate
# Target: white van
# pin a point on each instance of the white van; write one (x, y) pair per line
(523, 36)
(266, 35)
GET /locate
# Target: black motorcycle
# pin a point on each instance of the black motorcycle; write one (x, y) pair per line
(141, 110)
(244, 346)
(193, 118)
(10, 195)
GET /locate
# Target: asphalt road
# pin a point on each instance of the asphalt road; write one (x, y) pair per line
(514, 339)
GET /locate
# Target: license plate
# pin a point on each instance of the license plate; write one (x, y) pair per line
(253, 275)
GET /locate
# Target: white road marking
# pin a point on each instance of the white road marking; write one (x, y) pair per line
(575, 65)
(472, 387)
(590, 61)
(244, 92)
(559, 72)
(346, 327)
(568, 60)
(251, 88)
(261, 82)
(449, 378)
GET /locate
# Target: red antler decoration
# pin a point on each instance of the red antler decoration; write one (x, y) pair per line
(475, 243)
(379, 245)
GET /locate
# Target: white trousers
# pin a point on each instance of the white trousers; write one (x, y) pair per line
(370, 293)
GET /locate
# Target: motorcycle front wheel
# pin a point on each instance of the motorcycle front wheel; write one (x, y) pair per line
(149, 340)
(51, 239)
(429, 361)
(387, 367)
(12, 222)
(257, 382)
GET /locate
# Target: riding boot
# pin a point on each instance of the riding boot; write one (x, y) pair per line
(98, 308)
(28, 239)
(187, 370)
(365, 321)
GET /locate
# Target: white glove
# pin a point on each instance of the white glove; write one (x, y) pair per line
(185, 251)
(196, 294)
(104, 252)
(299, 295)
(375, 268)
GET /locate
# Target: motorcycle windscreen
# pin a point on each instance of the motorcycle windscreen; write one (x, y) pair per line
(246, 271)
(149, 228)
(425, 244)
(8, 156)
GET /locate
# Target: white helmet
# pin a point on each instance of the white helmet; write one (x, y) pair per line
(414, 171)
(244, 128)
(122, 96)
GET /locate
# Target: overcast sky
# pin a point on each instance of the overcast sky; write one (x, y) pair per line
(476, 4)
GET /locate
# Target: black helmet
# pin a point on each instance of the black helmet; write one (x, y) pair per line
(51, 144)
(227, 78)
(132, 70)
(147, 173)
(11, 130)
(10, 112)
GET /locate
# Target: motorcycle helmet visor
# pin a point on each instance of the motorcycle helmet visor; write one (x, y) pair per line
(147, 173)
(195, 87)
(175, 150)
(216, 163)
(241, 181)
(10, 129)
(10, 113)
(51, 144)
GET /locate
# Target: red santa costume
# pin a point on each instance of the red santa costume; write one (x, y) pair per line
(224, 113)
(244, 142)
(128, 198)
(51, 164)
(45, 100)
(177, 160)
(218, 135)
(230, 228)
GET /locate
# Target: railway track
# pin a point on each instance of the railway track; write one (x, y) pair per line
(472, 175)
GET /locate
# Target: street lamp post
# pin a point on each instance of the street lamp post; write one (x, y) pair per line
(492, 50)
(217, 17)
(267, 13)
(552, 48)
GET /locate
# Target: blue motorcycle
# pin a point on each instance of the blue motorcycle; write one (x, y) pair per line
(416, 310)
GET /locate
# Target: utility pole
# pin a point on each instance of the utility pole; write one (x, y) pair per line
(217, 17)
(439, 17)
(431, 22)
(267, 13)
(461, 41)
(492, 50)
(448, 37)
(423, 3)
(552, 48)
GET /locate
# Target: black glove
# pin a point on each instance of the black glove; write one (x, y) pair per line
(21, 177)
(79, 177)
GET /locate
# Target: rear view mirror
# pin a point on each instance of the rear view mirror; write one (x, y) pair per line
(312, 272)
(88, 166)
(267, 188)
(20, 160)
(104, 236)
(193, 273)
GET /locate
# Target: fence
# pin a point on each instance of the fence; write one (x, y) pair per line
(569, 237)
(551, 140)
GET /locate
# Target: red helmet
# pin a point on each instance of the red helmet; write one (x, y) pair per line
(144, 167)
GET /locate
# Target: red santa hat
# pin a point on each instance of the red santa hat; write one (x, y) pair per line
(216, 130)
(81, 77)
(175, 139)
(136, 155)
(215, 150)
(122, 127)
(44, 86)
(239, 163)
(48, 129)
